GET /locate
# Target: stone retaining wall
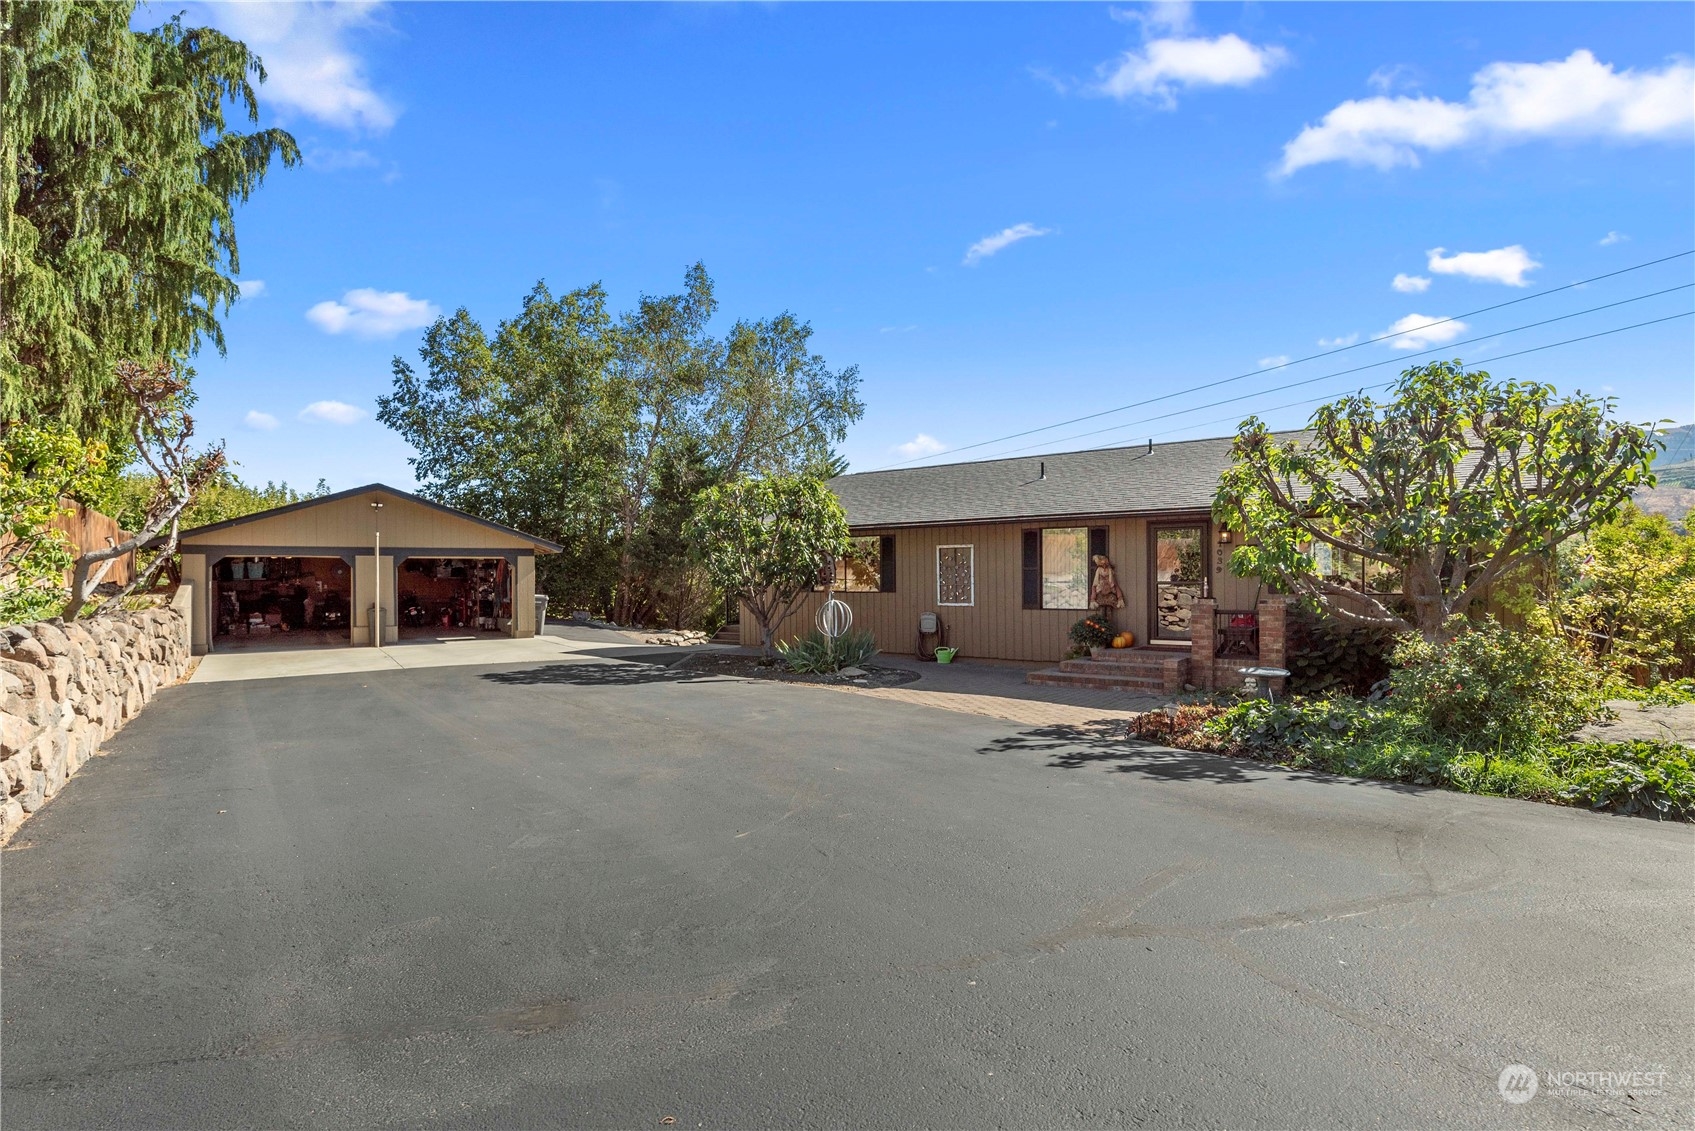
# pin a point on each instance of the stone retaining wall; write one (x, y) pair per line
(66, 688)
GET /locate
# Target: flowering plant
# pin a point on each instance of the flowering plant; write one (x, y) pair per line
(1092, 632)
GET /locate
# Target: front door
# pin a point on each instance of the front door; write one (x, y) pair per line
(1178, 569)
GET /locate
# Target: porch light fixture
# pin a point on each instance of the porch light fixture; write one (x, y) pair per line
(1224, 536)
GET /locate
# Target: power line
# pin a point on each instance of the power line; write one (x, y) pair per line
(1358, 368)
(1287, 364)
(1385, 384)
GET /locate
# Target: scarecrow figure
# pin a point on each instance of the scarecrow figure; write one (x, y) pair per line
(1105, 593)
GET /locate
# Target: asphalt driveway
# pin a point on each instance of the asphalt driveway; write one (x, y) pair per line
(590, 893)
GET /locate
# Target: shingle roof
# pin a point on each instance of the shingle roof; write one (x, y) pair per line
(541, 544)
(1107, 481)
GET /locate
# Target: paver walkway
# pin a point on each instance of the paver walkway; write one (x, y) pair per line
(998, 691)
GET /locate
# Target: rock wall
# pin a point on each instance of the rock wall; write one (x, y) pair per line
(66, 688)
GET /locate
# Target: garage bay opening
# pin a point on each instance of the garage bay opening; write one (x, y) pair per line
(459, 597)
(286, 600)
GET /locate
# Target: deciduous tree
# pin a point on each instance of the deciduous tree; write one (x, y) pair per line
(764, 541)
(41, 467)
(160, 435)
(1447, 486)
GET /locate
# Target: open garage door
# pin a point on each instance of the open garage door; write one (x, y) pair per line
(455, 597)
(297, 602)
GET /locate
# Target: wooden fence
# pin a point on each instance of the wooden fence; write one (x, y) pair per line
(88, 529)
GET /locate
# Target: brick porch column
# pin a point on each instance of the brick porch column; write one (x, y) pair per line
(1203, 646)
(1274, 635)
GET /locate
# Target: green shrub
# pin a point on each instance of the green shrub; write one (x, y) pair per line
(1259, 726)
(1326, 655)
(1671, 693)
(815, 654)
(1092, 632)
(1494, 690)
(1648, 779)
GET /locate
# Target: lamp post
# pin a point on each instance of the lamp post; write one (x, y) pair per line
(377, 576)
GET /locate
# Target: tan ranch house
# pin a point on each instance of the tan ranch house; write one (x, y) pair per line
(1001, 551)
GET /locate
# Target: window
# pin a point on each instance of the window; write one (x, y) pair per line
(1059, 565)
(867, 567)
(1065, 568)
(1344, 567)
(956, 582)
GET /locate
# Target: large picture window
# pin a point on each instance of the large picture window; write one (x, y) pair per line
(956, 581)
(1059, 565)
(1065, 568)
(860, 570)
(867, 567)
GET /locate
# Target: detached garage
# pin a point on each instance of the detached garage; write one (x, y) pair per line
(314, 573)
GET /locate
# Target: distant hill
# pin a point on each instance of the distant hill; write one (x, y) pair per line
(1679, 446)
(1675, 469)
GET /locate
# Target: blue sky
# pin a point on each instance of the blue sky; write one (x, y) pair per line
(1006, 215)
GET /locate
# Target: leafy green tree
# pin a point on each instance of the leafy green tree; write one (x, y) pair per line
(777, 408)
(665, 361)
(599, 433)
(1631, 592)
(118, 181)
(40, 468)
(160, 436)
(1449, 485)
(764, 541)
(525, 428)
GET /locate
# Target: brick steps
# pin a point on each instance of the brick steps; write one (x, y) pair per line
(1140, 670)
(1102, 682)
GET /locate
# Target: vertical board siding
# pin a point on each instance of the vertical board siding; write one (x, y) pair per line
(997, 626)
(351, 522)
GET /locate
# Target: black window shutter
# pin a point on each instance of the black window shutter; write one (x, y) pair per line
(886, 560)
(1097, 542)
(1032, 569)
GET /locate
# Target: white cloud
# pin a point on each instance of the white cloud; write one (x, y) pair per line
(1335, 343)
(921, 445)
(1162, 15)
(1507, 265)
(311, 63)
(259, 421)
(1414, 332)
(896, 329)
(1611, 238)
(369, 313)
(1163, 66)
(1384, 80)
(333, 412)
(1410, 284)
(1270, 362)
(1000, 241)
(251, 288)
(331, 160)
(1574, 98)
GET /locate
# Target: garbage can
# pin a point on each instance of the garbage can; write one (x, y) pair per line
(541, 613)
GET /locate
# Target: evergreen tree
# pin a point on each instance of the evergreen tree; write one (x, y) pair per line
(118, 181)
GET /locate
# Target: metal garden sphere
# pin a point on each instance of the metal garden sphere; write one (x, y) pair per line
(834, 618)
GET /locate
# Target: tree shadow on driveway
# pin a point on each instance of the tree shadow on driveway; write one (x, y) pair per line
(1105, 743)
(617, 674)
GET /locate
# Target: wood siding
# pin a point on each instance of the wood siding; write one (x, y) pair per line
(347, 526)
(348, 522)
(997, 626)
